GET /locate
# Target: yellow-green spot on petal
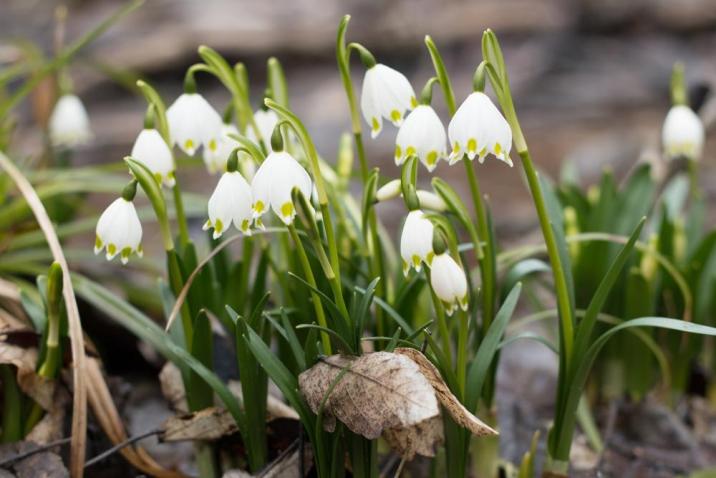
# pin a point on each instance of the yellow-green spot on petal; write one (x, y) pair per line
(406, 267)
(259, 207)
(483, 152)
(218, 226)
(410, 151)
(398, 152)
(413, 103)
(189, 144)
(245, 225)
(287, 209)
(375, 126)
(432, 158)
(158, 177)
(498, 149)
(126, 252)
(429, 258)
(416, 260)
(395, 116)
(472, 145)
(212, 144)
(111, 249)
(456, 147)
(140, 250)
(98, 243)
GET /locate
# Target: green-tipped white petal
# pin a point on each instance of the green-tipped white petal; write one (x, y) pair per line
(478, 129)
(119, 231)
(422, 134)
(69, 123)
(683, 133)
(151, 150)
(448, 282)
(387, 94)
(193, 122)
(274, 182)
(230, 203)
(416, 241)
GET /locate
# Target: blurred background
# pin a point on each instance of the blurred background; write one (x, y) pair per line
(590, 77)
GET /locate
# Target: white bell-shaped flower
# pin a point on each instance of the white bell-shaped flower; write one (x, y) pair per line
(387, 93)
(215, 160)
(478, 129)
(422, 134)
(449, 282)
(273, 184)
(118, 229)
(69, 124)
(231, 202)
(151, 150)
(683, 133)
(416, 241)
(266, 121)
(193, 122)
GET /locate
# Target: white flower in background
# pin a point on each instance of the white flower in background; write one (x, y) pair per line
(194, 122)
(448, 282)
(119, 231)
(422, 134)
(416, 241)
(478, 129)
(387, 93)
(69, 123)
(151, 150)
(273, 183)
(230, 203)
(683, 133)
(430, 200)
(215, 160)
(265, 121)
(389, 190)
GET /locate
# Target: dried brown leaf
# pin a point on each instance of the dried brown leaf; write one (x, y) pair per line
(207, 425)
(274, 406)
(421, 439)
(370, 393)
(457, 411)
(172, 386)
(51, 427)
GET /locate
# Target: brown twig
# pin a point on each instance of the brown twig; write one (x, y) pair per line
(39, 449)
(119, 446)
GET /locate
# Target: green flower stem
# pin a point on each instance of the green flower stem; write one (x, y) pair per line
(443, 328)
(311, 279)
(484, 252)
(156, 198)
(310, 151)
(12, 406)
(462, 338)
(497, 73)
(180, 214)
(375, 250)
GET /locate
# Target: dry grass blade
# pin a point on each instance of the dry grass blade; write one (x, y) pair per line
(79, 407)
(106, 413)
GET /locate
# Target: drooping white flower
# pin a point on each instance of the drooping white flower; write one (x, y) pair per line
(683, 133)
(266, 121)
(215, 160)
(422, 134)
(430, 200)
(230, 203)
(69, 123)
(119, 231)
(389, 190)
(151, 150)
(387, 93)
(193, 122)
(416, 241)
(448, 282)
(478, 129)
(273, 183)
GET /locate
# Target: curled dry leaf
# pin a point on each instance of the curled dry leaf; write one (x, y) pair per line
(394, 394)
(457, 411)
(173, 387)
(207, 425)
(371, 393)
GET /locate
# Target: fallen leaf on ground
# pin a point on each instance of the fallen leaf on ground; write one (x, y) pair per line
(370, 393)
(208, 424)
